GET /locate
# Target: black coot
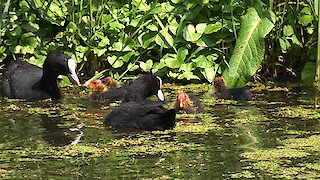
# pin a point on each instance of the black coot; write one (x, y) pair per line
(143, 87)
(143, 115)
(222, 92)
(26, 81)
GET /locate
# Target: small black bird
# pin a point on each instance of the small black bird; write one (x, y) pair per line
(222, 92)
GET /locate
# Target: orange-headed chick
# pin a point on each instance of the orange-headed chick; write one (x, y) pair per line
(221, 91)
(187, 105)
(97, 90)
(109, 82)
(97, 87)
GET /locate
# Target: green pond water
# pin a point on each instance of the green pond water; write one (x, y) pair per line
(274, 136)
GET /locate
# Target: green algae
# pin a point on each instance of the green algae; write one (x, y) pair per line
(228, 139)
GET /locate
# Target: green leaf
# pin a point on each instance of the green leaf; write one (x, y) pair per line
(152, 27)
(23, 5)
(187, 67)
(172, 74)
(173, 26)
(202, 62)
(188, 76)
(211, 28)
(146, 66)
(189, 33)
(309, 72)
(304, 20)
(283, 45)
(99, 51)
(182, 54)
(127, 56)
(16, 32)
(115, 62)
(306, 16)
(105, 41)
(82, 49)
(28, 43)
(200, 28)
(164, 39)
(288, 30)
(250, 47)
(171, 60)
(30, 27)
(132, 67)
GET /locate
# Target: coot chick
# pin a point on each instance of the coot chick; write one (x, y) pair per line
(97, 90)
(110, 82)
(26, 81)
(143, 87)
(142, 115)
(186, 104)
(106, 91)
(222, 92)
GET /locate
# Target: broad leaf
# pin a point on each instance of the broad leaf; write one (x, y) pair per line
(249, 49)
(190, 34)
(146, 66)
(309, 72)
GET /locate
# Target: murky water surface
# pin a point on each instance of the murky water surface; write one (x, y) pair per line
(275, 136)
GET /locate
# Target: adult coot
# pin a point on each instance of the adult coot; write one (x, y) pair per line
(27, 81)
(186, 104)
(143, 87)
(222, 92)
(142, 115)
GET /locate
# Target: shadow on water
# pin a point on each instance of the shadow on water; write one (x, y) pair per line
(68, 139)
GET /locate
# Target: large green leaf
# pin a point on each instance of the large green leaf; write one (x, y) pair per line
(308, 73)
(249, 49)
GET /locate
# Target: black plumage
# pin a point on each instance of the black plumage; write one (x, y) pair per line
(27, 81)
(143, 87)
(222, 92)
(143, 115)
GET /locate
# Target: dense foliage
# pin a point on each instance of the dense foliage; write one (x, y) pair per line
(175, 39)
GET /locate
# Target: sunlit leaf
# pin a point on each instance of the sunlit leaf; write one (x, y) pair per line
(99, 51)
(115, 62)
(288, 30)
(211, 28)
(127, 56)
(200, 28)
(188, 76)
(105, 41)
(146, 66)
(189, 33)
(250, 47)
(182, 54)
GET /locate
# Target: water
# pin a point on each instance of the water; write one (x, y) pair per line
(67, 139)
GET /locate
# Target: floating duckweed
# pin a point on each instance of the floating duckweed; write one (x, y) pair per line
(305, 112)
